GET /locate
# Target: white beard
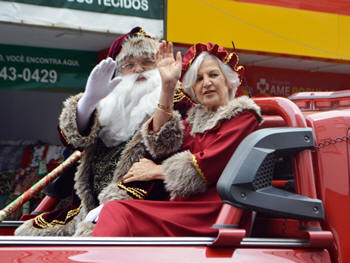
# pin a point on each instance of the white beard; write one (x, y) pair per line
(122, 111)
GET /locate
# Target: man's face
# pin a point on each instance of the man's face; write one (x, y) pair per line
(138, 65)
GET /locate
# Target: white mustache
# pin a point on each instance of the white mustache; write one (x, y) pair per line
(145, 74)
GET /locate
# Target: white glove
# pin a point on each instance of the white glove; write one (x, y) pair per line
(98, 86)
(92, 216)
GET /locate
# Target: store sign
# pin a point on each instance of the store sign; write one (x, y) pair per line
(262, 28)
(335, 6)
(29, 68)
(285, 82)
(284, 88)
(140, 8)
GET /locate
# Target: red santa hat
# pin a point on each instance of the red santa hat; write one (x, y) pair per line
(135, 43)
(230, 59)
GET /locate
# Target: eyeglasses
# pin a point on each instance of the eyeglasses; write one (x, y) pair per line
(144, 63)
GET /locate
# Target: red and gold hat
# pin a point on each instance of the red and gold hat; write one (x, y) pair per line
(134, 43)
(230, 59)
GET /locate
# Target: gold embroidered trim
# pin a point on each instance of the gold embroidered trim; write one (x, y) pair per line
(140, 190)
(235, 67)
(198, 168)
(40, 221)
(228, 58)
(139, 193)
(180, 95)
(141, 32)
(239, 68)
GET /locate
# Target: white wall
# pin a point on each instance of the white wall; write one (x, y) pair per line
(30, 115)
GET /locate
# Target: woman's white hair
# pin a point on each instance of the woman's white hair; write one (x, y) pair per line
(190, 76)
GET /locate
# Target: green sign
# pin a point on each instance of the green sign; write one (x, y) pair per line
(140, 8)
(29, 68)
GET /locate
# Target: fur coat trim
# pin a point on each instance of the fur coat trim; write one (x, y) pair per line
(68, 124)
(84, 229)
(201, 120)
(82, 183)
(167, 140)
(133, 151)
(181, 178)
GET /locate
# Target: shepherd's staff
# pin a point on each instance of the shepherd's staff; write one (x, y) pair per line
(38, 186)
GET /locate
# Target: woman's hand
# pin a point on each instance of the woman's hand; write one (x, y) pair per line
(170, 71)
(143, 170)
(169, 67)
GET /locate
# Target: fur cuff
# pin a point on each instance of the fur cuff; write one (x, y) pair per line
(181, 177)
(167, 140)
(68, 124)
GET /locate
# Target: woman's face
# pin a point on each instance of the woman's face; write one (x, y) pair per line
(211, 88)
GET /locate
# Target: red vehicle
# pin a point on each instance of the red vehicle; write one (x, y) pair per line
(285, 195)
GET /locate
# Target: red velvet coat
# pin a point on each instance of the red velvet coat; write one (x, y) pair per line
(183, 216)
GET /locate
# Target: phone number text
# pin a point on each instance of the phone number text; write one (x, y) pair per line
(27, 74)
